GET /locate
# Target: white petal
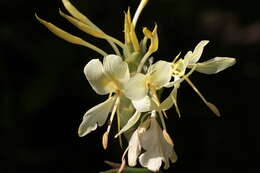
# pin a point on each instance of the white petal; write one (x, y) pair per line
(145, 104)
(116, 69)
(214, 65)
(134, 149)
(98, 80)
(136, 87)
(157, 149)
(198, 51)
(131, 122)
(160, 74)
(96, 116)
(151, 161)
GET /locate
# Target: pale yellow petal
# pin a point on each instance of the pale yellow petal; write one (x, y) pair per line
(116, 69)
(83, 26)
(75, 13)
(69, 37)
(214, 65)
(144, 104)
(160, 74)
(96, 116)
(197, 52)
(136, 87)
(94, 72)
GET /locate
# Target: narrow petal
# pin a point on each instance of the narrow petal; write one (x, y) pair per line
(136, 87)
(96, 116)
(134, 149)
(83, 26)
(160, 74)
(131, 122)
(98, 80)
(198, 52)
(145, 104)
(116, 69)
(214, 65)
(75, 13)
(170, 101)
(69, 37)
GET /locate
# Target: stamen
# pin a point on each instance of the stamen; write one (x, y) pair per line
(212, 107)
(113, 114)
(119, 127)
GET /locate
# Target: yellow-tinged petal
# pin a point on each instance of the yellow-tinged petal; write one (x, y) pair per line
(98, 80)
(127, 30)
(96, 116)
(79, 16)
(136, 87)
(84, 27)
(197, 52)
(145, 104)
(131, 122)
(75, 13)
(117, 70)
(134, 39)
(69, 37)
(153, 36)
(214, 65)
(160, 74)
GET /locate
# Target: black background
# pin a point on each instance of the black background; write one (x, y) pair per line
(44, 92)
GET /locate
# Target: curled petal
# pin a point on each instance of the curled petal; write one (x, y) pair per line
(198, 51)
(96, 116)
(134, 149)
(214, 65)
(98, 80)
(160, 74)
(136, 87)
(116, 69)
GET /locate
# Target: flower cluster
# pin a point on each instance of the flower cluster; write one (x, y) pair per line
(132, 82)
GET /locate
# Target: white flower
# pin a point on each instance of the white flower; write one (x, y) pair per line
(109, 77)
(141, 87)
(151, 138)
(190, 60)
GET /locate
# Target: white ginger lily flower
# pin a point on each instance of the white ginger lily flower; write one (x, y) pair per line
(190, 60)
(158, 146)
(107, 78)
(142, 87)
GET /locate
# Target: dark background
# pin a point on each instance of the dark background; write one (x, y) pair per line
(44, 92)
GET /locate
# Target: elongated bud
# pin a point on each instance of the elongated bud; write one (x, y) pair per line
(167, 137)
(105, 140)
